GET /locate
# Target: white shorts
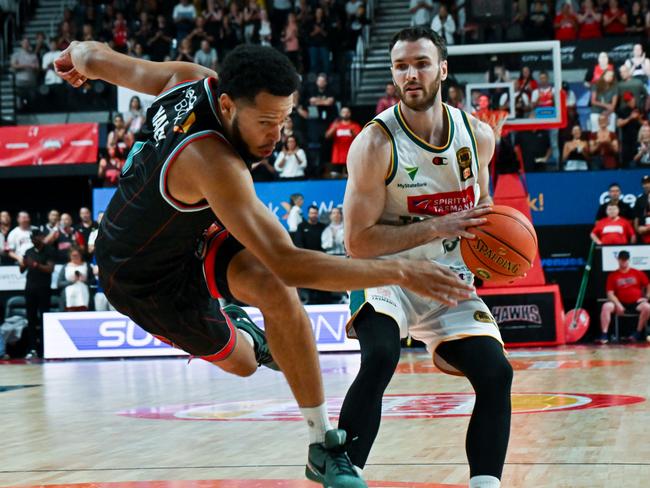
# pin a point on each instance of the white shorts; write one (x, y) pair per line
(427, 320)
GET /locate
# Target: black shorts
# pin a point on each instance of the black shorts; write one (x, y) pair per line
(190, 318)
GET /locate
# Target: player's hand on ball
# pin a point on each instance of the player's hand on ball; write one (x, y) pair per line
(432, 280)
(457, 224)
(64, 67)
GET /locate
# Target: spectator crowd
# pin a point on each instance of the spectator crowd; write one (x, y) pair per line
(627, 289)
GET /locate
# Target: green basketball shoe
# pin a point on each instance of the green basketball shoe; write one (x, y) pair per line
(329, 464)
(241, 320)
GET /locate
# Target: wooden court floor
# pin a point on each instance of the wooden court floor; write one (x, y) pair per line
(581, 419)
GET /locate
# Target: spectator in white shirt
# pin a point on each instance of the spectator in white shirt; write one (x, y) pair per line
(20, 238)
(292, 160)
(51, 78)
(444, 25)
(294, 218)
(332, 238)
(422, 12)
(184, 15)
(206, 56)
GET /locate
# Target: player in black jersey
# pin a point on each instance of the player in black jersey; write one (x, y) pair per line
(185, 227)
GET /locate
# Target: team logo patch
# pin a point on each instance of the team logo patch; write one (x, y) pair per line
(396, 406)
(464, 159)
(412, 171)
(486, 318)
(439, 161)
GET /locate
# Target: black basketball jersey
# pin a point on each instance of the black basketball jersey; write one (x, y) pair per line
(147, 237)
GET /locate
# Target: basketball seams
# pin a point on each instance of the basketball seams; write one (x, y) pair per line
(509, 246)
(525, 225)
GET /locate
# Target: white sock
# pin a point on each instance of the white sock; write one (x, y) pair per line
(318, 422)
(248, 337)
(484, 482)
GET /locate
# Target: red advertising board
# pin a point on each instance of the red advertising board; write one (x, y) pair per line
(39, 145)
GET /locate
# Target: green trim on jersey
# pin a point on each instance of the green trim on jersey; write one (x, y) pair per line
(421, 143)
(357, 299)
(470, 131)
(394, 163)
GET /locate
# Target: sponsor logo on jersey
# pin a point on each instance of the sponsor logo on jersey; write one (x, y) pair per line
(185, 126)
(439, 161)
(484, 317)
(412, 171)
(185, 105)
(517, 313)
(160, 123)
(411, 185)
(464, 159)
(442, 203)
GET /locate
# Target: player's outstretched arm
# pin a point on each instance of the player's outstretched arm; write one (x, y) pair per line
(92, 60)
(228, 187)
(365, 196)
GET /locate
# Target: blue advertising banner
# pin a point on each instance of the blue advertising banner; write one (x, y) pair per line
(111, 334)
(570, 198)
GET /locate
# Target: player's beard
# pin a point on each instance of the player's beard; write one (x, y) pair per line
(237, 141)
(428, 96)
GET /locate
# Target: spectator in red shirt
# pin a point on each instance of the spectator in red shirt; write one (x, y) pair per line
(566, 24)
(627, 292)
(589, 19)
(613, 229)
(388, 100)
(614, 20)
(526, 83)
(342, 132)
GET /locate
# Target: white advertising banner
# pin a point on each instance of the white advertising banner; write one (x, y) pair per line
(111, 334)
(11, 279)
(639, 257)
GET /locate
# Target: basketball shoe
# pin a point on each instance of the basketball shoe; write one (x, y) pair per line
(329, 464)
(242, 321)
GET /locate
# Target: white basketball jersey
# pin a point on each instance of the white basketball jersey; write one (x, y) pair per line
(426, 181)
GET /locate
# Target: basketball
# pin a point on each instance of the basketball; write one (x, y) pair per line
(504, 248)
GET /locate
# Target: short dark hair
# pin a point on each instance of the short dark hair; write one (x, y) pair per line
(412, 34)
(624, 255)
(249, 69)
(612, 185)
(314, 207)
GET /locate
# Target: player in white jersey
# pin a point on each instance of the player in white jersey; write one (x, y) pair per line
(418, 182)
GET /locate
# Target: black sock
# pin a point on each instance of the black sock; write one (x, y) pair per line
(361, 411)
(482, 361)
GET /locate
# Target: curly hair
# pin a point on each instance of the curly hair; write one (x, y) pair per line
(249, 69)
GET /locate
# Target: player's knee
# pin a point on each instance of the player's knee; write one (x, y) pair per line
(496, 378)
(644, 308)
(381, 359)
(608, 308)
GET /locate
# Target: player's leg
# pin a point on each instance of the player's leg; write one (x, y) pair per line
(290, 337)
(482, 360)
(379, 337)
(605, 319)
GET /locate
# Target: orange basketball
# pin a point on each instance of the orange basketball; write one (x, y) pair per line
(504, 248)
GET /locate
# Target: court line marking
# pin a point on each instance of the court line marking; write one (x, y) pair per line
(231, 466)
